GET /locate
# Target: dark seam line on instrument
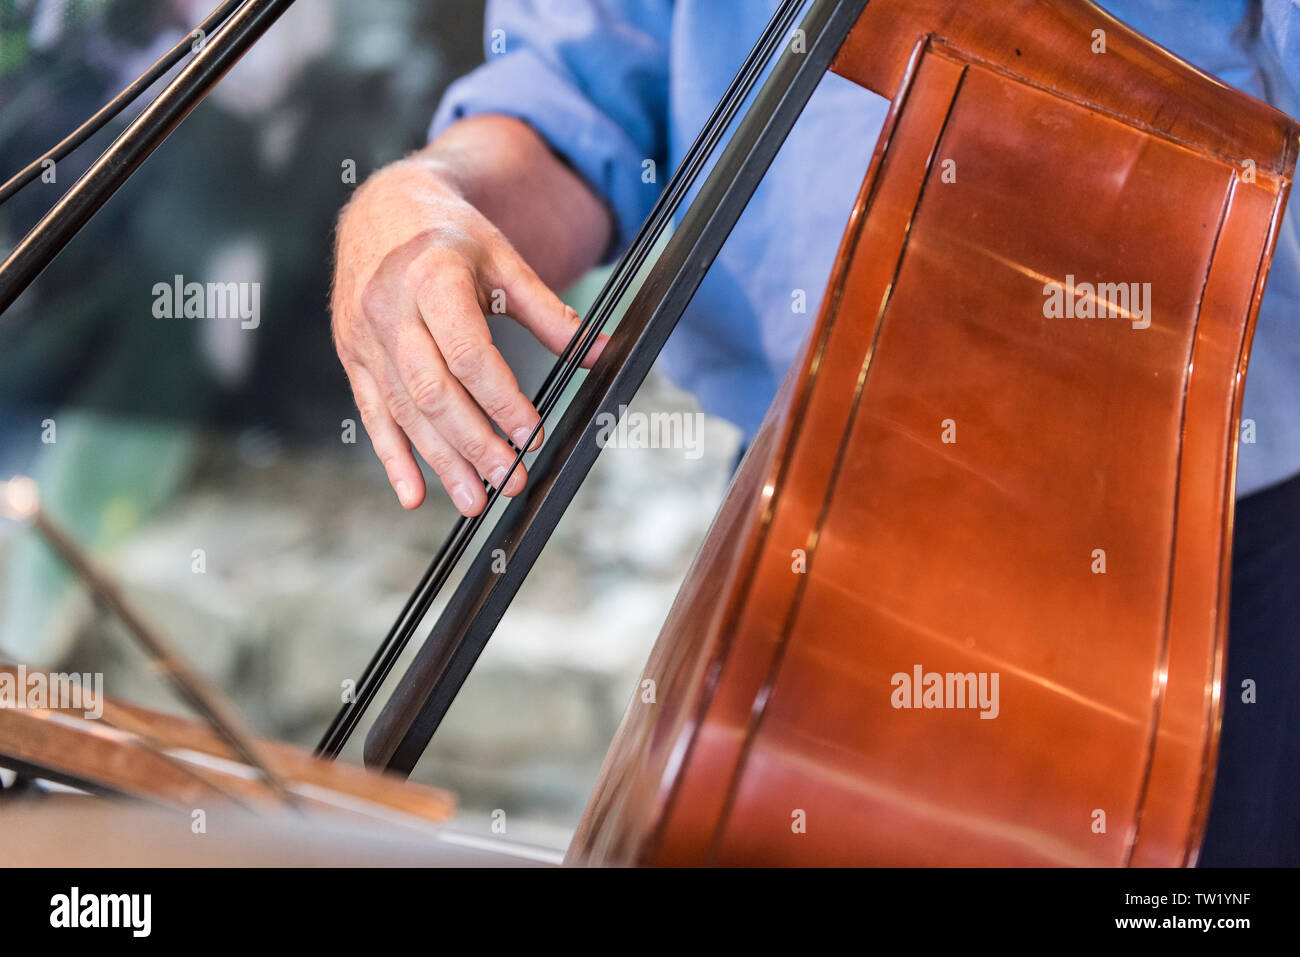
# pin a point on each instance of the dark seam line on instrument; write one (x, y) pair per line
(1209, 751)
(798, 416)
(1092, 106)
(759, 710)
(1161, 687)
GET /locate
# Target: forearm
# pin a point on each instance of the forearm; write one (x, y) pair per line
(504, 169)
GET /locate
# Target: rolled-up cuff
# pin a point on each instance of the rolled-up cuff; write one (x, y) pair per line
(522, 85)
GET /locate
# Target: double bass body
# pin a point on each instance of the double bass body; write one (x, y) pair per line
(956, 480)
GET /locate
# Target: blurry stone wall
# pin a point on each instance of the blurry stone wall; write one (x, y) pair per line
(205, 465)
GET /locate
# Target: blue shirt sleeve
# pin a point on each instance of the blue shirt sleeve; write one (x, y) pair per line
(1281, 33)
(591, 77)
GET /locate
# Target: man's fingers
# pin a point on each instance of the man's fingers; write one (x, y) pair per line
(457, 476)
(420, 391)
(387, 439)
(539, 310)
(433, 377)
(452, 315)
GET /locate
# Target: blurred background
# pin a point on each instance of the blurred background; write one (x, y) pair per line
(211, 467)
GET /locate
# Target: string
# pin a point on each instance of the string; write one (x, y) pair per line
(118, 103)
(559, 377)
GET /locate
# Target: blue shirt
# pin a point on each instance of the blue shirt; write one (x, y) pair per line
(613, 83)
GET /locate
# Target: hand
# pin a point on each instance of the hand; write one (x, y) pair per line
(417, 267)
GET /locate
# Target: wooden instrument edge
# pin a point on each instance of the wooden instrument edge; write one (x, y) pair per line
(600, 839)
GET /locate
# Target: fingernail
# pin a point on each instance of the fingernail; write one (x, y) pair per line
(498, 476)
(403, 491)
(462, 497)
(521, 434)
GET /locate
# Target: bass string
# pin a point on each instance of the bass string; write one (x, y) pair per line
(562, 372)
(560, 376)
(117, 104)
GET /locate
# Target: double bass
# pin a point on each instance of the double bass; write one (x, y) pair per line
(965, 601)
(957, 488)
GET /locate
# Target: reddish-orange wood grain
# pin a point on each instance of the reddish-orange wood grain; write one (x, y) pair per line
(960, 479)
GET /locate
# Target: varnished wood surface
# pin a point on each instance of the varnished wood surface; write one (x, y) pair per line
(1073, 435)
(163, 758)
(1049, 44)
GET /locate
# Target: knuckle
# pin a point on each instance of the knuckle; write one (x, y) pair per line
(376, 305)
(436, 266)
(503, 261)
(474, 448)
(343, 330)
(399, 404)
(504, 406)
(465, 357)
(342, 344)
(369, 410)
(443, 465)
(347, 355)
(428, 392)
